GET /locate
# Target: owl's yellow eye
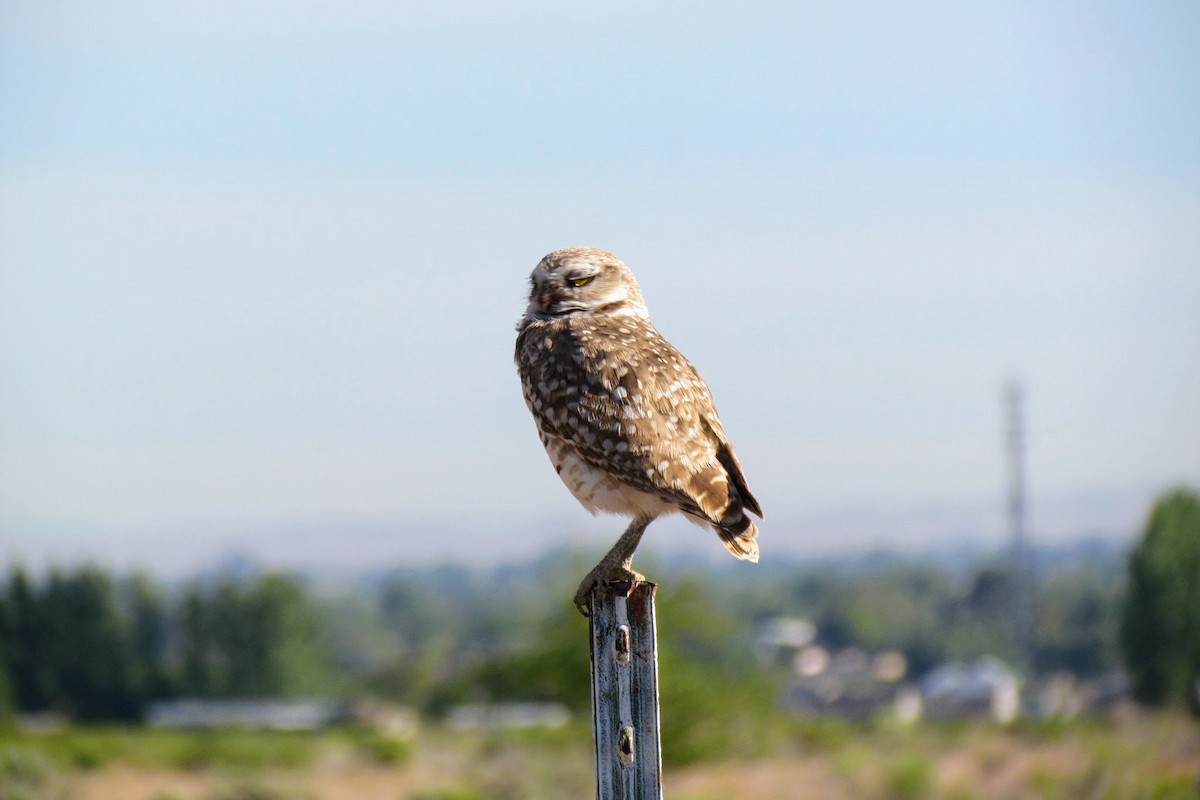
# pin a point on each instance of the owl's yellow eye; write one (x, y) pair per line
(577, 282)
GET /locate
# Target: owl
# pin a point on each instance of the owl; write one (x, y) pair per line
(627, 421)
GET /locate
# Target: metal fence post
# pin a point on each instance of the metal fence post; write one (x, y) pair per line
(625, 694)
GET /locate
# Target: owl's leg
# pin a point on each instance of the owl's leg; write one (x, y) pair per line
(616, 566)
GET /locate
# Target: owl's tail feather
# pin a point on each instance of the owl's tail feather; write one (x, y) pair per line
(739, 538)
(737, 531)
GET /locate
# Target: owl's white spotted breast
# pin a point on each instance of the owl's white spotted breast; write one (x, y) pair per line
(626, 420)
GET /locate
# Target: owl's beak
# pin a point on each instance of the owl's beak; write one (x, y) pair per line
(547, 299)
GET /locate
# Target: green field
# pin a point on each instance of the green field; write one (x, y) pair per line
(1133, 756)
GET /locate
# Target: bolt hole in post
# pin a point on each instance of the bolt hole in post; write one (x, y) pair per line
(623, 645)
(624, 652)
(625, 746)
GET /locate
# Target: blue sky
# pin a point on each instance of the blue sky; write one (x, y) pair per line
(260, 266)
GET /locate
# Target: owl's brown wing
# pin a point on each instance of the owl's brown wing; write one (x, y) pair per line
(633, 406)
(576, 397)
(733, 467)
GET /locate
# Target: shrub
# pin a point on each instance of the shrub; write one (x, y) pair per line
(910, 778)
(381, 747)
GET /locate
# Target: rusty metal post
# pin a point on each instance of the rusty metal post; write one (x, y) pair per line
(625, 694)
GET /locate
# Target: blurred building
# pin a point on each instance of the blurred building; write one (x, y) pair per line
(491, 716)
(1065, 695)
(281, 715)
(778, 639)
(986, 687)
(850, 684)
(259, 714)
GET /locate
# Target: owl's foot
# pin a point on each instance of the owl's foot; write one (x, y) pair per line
(603, 577)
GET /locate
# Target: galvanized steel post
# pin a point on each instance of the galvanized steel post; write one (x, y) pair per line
(625, 694)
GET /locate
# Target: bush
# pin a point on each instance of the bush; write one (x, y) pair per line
(382, 748)
(715, 703)
(240, 749)
(1173, 787)
(910, 778)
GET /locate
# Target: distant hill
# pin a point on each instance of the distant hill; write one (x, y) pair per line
(951, 534)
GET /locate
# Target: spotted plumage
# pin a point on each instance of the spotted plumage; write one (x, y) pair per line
(627, 421)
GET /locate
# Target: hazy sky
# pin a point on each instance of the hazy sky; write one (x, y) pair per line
(260, 263)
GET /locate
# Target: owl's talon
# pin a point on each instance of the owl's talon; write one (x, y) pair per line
(603, 577)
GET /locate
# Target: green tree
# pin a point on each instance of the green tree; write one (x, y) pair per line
(148, 626)
(65, 645)
(910, 608)
(198, 654)
(294, 658)
(6, 698)
(6, 689)
(715, 701)
(258, 640)
(34, 684)
(1076, 613)
(1161, 618)
(89, 646)
(553, 666)
(990, 596)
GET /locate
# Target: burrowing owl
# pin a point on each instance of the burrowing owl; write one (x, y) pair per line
(627, 421)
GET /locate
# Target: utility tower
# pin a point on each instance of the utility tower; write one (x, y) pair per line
(1021, 583)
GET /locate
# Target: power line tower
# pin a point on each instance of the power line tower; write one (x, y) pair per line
(1021, 583)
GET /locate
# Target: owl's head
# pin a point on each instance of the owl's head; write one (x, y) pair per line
(585, 281)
